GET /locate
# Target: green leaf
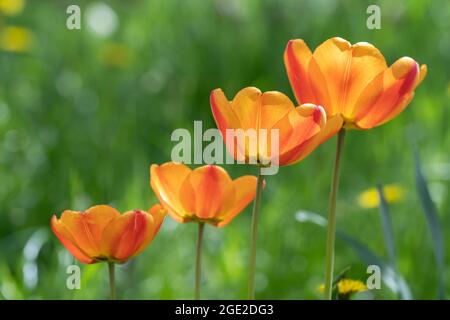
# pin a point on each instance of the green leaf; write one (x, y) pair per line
(386, 224)
(434, 226)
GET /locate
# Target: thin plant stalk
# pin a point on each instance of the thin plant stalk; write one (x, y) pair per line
(331, 226)
(254, 230)
(112, 279)
(198, 260)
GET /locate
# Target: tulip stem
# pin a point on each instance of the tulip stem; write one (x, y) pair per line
(112, 279)
(331, 226)
(255, 212)
(198, 260)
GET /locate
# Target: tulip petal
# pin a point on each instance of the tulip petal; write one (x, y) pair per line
(68, 241)
(226, 118)
(332, 126)
(297, 127)
(388, 94)
(244, 192)
(86, 227)
(247, 106)
(158, 213)
(206, 190)
(297, 56)
(347, 70)
(124, 236)
(166, 181)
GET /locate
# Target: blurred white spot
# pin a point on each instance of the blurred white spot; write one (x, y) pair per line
(34, 245)
(30, 274)
(307, 216)
(101, 19)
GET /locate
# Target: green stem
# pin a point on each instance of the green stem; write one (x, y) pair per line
(112, 279)
(198, 260)
(331, 226)
(255, 212)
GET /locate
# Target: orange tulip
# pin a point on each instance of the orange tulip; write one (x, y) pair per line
(352, 82)
(252, 109)
(101, 233)
(206, 194)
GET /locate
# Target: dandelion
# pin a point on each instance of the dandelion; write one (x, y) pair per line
(15, 39)
(369, 199)
(11, 7)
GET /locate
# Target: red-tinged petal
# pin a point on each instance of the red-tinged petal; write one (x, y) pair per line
(332, 126)
(124, 236)
(226, 118)
(223, 113)
(166, 181)
(158, 213)
(388, 94)
(206, 191)
(297, 56)
(68, 241)
(299, 126)
(244, 192)
(347, 70)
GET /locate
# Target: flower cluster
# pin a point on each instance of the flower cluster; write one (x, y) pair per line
(338, 87)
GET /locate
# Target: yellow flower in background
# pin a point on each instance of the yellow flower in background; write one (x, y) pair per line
(15, 39)
(349, 286)
(346, 287)
(392, 193)
(11, 7)
(115, 55)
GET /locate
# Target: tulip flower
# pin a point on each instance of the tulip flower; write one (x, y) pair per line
(266, 113)
(102, 234)
(357, 89)
(206, 195)
(251, 109)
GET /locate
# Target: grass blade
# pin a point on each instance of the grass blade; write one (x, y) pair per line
(386, 224)
(434, 226)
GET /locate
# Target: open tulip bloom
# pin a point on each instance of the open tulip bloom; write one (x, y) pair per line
(102, 234)
(203, 195)
(296, 127)
(357, 90)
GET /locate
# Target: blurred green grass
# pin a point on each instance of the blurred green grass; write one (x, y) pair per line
(82, 117)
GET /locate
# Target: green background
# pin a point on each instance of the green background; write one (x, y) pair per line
(81, 121)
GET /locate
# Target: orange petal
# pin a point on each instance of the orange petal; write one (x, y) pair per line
(332, 126)
(125, 236)
(158, 213)
(388, 94)
(299, 126)
(274, 106)
(244, 192)
(246, 104)
(206, 191)
(166, 181)
(347, 70)
(68, 241)
(86, 227)
(226, 118)
(297, 56)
